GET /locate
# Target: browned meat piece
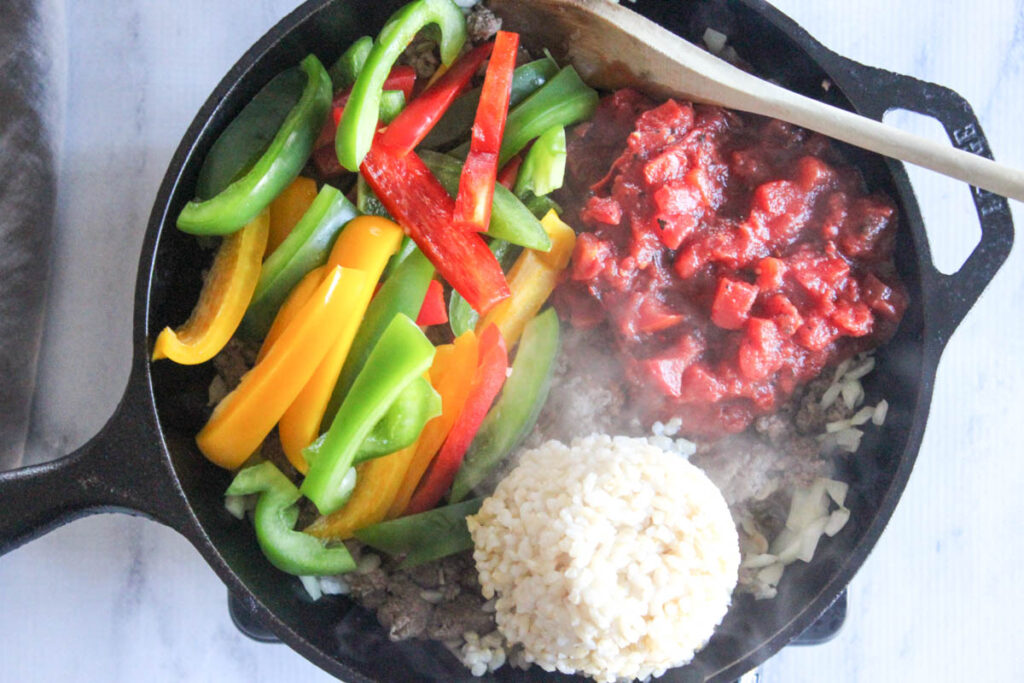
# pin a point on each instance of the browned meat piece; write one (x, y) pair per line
(234, 360)
(482, 24)
(777, 428)
(465, 613)
(369, 588)
(404, 613)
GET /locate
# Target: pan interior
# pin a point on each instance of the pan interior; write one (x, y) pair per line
(347, 634)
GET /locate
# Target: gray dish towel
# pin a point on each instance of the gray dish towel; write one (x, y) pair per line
(32, 95)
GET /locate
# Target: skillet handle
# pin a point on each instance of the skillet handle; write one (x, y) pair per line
(879, 91)
(120, 469)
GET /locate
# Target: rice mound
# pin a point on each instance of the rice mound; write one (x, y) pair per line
(609, 557)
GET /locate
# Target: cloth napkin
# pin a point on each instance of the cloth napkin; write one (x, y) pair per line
(32, 94)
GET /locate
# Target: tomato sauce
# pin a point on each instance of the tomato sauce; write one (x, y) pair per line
(732, 257)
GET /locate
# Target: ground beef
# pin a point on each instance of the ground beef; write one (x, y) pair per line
(482, 24)
(235, 359)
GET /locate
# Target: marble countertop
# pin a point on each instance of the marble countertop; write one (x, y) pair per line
(114, 598)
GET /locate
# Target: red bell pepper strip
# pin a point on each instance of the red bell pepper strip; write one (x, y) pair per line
(418, 201)
(419, 117)
(480, 172)
(509, 173)
(490, 376)
(433, 310)
(325, 159)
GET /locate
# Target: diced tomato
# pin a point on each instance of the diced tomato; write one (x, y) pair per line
(732, 304)
(760, 354)
(769, 274)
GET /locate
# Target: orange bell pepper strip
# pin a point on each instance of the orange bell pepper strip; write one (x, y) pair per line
(531, 280)
(226, 293)
(243, 418)
(291, 307)
(451, 375)
(365, 244)
(287, 208)
(377, 483)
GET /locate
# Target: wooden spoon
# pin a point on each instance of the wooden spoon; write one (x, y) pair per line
(613, 47)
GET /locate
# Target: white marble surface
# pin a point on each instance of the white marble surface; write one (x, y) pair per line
(118, 599)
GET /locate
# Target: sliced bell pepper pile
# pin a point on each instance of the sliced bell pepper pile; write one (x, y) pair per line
(225, 296)
(243, 418)
(345, 71)
(359, 121)
(402, 354)
(402, 423)
(412, 125)
(305, 248)
(480, 172)
(288, 208)
(451, 375)
(424, 537)
(457, 122)
(511, 220)
(516, 412)
(401, 294)
(245, 197)
(365, 244)
(532, 279)
(433, 311)
(416, 199)
(492, 370)
(274, 519)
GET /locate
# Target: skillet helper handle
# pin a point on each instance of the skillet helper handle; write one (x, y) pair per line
(120, 469)
(881, 91)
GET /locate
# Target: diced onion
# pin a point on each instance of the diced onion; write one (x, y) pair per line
(236, 505)
(837, 426)
(836, 521)
(881, 410)
(715, 40)
(849, 439)
(312, 586)
(862, 369)
(862, 416)
(786, 546)
(759, 561)
(334, 585)
(771, 574)
(837, 490)
(809, 538)
(853, 393)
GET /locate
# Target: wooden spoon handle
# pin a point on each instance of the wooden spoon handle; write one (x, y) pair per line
(613, 47)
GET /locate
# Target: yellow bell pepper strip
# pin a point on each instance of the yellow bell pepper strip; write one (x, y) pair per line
(377, 483)
(402, 354)
(451, 374)
(291, 307)
(288, 208)
(226, 293)
(531, 280)
(306, 247)
(274, 520)
(285, 155)
(365, 244)
(243, 418)
(359, 120)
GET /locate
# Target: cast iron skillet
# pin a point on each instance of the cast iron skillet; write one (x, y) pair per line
(144, 460)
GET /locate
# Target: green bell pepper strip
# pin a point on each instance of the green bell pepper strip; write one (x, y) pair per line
(345, 71)
(369, 205)
(242, 200)
(543, 169)
(402, 354)
(307, 246)
(407, 247)
(359, 120)
(424, 537)
(400, 295)
(457, 122)
(510, 219)
(562, 101)
(539, 206)
(516, 411)
(274, 519)
(392, 102)
(247, 137)
(461, 316)
(403, 422)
